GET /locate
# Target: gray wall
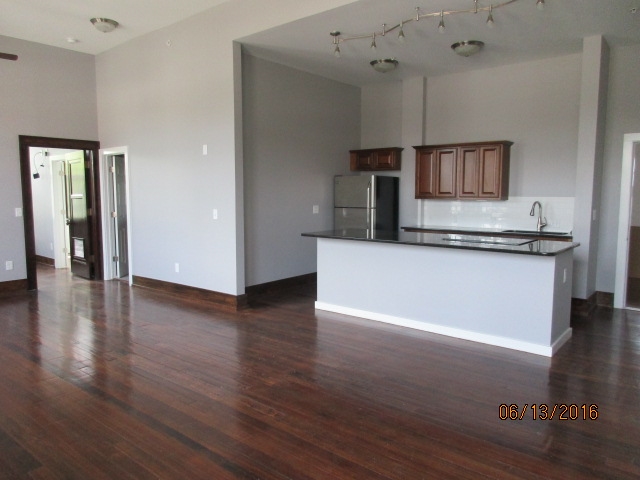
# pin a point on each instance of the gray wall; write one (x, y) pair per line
(298, 129)
(164, 96)
(48, 92)
(536, 105)
(533, 104)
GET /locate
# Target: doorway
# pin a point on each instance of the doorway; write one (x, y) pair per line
(627, 283)
(84, 210)
(117, 238)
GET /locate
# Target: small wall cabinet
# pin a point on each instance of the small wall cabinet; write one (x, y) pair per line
(464, 171)
(376, 159)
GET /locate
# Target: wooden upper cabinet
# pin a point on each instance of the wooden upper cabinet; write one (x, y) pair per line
(376, 159)
(467, 171)
(425, 173)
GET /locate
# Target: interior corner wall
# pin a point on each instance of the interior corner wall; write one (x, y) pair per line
(48, 92)
(298, 130)
(591, 134)
(622, 117)
(165, 96)
(381, 115)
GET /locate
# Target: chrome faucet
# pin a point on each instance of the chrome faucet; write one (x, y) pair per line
(541, 223)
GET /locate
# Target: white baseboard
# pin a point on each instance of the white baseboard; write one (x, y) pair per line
(544, 350)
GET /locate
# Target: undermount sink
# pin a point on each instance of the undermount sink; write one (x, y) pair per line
(535, 232)
(487, 240)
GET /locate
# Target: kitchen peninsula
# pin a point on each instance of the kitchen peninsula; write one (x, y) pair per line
(508, 292)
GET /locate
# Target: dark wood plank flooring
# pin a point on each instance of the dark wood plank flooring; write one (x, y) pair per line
(98, 380)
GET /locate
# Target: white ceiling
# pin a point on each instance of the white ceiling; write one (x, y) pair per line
(521, 32)
(51, 22)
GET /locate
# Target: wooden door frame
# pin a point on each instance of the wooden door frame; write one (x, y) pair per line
(624, 219)
(93, 193)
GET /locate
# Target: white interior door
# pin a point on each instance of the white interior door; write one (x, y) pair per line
(60, 205)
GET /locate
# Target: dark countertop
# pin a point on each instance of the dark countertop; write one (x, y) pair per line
(500, 232)
(525, 246)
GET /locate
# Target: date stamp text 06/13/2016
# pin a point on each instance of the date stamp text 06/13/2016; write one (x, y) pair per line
(544, 411)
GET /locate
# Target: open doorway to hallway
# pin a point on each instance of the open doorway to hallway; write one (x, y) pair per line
(82, 197)
(117, 238)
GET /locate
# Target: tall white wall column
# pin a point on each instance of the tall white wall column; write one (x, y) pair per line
(414, 94)
(591, 129)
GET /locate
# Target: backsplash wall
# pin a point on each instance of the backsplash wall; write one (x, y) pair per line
(509, 214)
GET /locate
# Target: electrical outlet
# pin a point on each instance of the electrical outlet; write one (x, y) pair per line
(316, 209)
(205, 149)
(8, 265)
(215, 213)
(177, 266)
(18, 212)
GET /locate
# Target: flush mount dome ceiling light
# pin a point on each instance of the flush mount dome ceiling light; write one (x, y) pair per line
(384, 65)
(105, 25)
(467, 47)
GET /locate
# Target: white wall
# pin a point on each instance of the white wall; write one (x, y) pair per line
(164, 103)
(48, 92)
(382, 116)
(533, 104)
(42, 195)
(298, 129)
(623, 116)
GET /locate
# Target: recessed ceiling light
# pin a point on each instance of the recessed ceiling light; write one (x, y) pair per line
(467, 48)
(72, 40)
(105, 25)
(384, 65)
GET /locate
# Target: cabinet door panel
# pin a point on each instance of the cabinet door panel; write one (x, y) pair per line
(468, 171)
(446, 172)
(425, 174)
(385, 160)
(490, 172)
(364, 161)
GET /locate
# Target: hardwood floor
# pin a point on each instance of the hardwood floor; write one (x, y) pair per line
(98, 380)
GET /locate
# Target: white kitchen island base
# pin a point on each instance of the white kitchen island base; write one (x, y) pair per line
(517, 301)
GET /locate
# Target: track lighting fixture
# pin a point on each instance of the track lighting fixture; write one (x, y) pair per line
(419, 15)
(441, 24)
(490, 21)
(401, 38)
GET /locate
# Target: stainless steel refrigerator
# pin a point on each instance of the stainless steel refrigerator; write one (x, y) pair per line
(365, 202)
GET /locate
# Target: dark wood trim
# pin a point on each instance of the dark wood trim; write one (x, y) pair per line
(604, 299)
(12, 287)
(583, 307)
(283, 284)
(46, 261)
(194, 294)
(26, 142)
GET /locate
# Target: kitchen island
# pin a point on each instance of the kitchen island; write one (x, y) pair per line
(509, 292)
